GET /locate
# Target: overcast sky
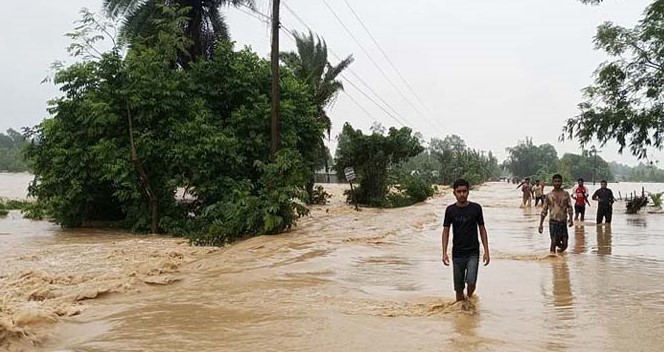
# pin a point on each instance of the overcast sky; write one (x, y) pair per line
(490, 71)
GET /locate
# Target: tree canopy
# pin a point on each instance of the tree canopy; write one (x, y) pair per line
(373, 156)
(625, 103)
(204, 25)
(129, 132)
(526, 159)
(447, 159)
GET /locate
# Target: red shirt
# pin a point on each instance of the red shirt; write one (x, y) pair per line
(581, 194)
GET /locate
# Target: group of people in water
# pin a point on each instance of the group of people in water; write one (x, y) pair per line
(465, 218)
(580, 195)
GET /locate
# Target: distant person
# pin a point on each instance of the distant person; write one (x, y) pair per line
(465, 218)
(580, 195)
(538, 192)
(604, 198)
(558, 205)
(526, 192)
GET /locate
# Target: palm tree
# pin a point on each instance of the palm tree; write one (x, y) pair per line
(204, 26)
(310, 65)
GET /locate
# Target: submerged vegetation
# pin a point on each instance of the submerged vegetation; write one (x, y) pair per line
(13, 204)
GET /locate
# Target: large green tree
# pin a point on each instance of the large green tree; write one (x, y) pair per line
(373, 156)
(448, 159)
(625, 103)
(526, 159)
(587, 166)
(204, 24)
(130, 131)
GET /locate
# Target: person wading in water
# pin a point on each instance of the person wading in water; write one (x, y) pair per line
(604, 198)
(526, 189)
(580, 195)
(465, 218)
(558, 205)
(538, 192)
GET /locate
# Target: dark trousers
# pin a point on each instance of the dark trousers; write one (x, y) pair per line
(604, 211)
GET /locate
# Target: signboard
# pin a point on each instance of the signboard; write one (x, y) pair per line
(350, 174)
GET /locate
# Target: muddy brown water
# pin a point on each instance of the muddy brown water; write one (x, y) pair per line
(341, 281)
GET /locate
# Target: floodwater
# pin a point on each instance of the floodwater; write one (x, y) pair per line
(341, 281)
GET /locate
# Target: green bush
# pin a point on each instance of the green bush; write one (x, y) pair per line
(397, 200)
(269, 207)
(320, 196)
(14, 204)
(416, 188)
(372, 156)
(129, 130)
(656, 199)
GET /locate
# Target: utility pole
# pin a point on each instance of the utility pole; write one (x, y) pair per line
(276, 133)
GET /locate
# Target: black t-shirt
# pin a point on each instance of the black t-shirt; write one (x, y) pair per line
(604, 197)
(464, 221)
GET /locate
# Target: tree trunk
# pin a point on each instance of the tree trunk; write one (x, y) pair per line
(143, 176)
(327, 166)
(310, 190)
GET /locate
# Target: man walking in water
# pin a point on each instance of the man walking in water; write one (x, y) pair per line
(538, 192)
(558, 205)
(580, 195)
(465, 218)
(526, 190)
(604, 198)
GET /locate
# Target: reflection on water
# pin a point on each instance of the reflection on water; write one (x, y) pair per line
(579, 239)
(637, 221)
(604, 239)
(562, 288)
(561, 319)
(466, 332)
(342, 281)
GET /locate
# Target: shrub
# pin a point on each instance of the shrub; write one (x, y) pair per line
(320, 196)
(416, 188)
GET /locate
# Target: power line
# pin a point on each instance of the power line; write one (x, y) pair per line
(392, 116)
(296, 16)
(403, 79)
(339, 58)
(367, 86)
(253, 13)
(373, 101)
(350, 33)
(360, 106)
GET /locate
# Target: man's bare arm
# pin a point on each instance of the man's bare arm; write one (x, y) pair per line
(545, 211)
(485, 244)
(445, 239)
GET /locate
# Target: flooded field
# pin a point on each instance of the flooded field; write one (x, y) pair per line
(340, 281)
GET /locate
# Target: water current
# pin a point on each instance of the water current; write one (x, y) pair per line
(340, 281)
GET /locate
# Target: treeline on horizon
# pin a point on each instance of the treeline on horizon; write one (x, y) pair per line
(11, 152)
(541, 162)
(444, 160)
